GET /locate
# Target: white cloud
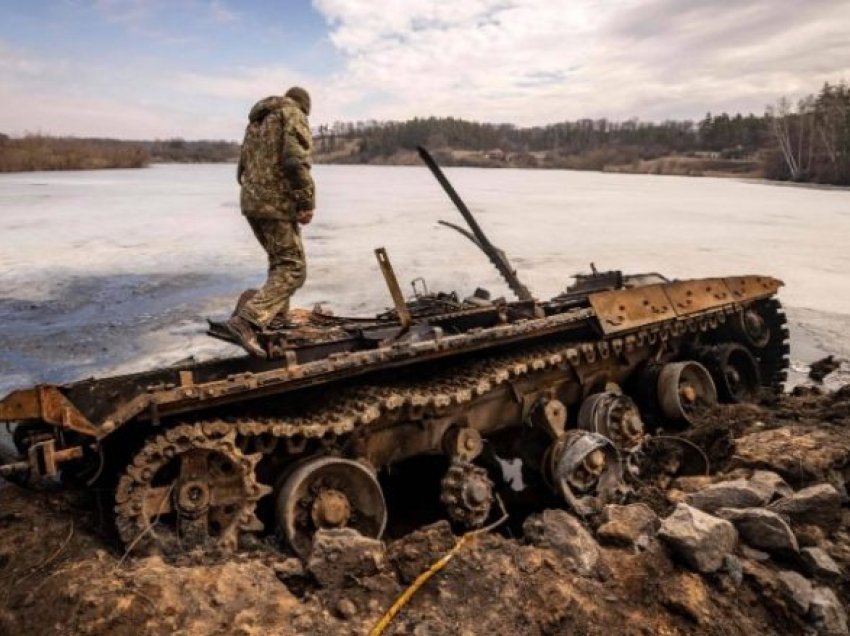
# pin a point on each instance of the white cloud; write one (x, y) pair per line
(223, 14)
(537, 61)
(519, 61)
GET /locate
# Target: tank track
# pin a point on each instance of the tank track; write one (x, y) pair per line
(774, 357)
(354, 408)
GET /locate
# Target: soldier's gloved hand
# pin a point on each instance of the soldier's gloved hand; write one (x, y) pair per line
(304, 216)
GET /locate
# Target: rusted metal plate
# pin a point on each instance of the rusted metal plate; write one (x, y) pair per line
(627, 309)
(745, 288)
(693, 296)
(46, 403)
(20, 405)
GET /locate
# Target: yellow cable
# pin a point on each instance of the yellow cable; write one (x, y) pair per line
(405, 596)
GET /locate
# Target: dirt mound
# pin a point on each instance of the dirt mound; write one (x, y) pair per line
(630, 571)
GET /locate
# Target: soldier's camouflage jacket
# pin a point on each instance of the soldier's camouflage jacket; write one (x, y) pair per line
(274, 164)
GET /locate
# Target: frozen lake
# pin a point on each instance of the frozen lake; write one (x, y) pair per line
(115, 270)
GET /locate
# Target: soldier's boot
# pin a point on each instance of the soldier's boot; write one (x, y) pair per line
(247, 337)
(281, 322)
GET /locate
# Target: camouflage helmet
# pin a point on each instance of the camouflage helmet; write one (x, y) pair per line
(301, 97)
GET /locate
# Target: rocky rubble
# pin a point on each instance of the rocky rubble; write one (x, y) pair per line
(761, 545)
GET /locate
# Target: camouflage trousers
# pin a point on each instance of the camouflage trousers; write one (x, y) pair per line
(287, 270)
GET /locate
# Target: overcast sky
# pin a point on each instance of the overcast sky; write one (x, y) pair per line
(192, 68)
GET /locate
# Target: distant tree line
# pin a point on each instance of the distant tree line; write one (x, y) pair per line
(43, 152)
(646, 139)
(812, 141)
(39, 152)
(182, 151)
(808, 143)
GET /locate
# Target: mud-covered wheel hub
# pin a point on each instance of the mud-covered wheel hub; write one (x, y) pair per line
(684, 390)
(188, 489)
(735, 373)
(328, 493)
(467, 494)
(331, 509)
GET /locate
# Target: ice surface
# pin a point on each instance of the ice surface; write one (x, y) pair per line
(114, 270)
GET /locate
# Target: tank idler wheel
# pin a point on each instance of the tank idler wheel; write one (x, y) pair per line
(735, 373)
(467, 493)
(613, 415)
(685, 389)
(325, 493)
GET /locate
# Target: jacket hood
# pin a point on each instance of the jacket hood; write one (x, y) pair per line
(265, 106)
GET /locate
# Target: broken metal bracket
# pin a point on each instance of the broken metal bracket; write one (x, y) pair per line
(395, 290)
(45, 403)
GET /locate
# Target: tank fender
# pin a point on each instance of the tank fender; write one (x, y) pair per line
(45, 403)
(628, 309)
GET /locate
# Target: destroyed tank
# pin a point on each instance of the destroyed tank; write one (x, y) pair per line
(206, 455)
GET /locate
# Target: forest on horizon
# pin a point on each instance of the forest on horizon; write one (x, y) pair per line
(806, 142)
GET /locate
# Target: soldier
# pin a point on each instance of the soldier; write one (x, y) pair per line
(277, 196)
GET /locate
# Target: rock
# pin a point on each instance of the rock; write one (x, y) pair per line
(797, 590)
(732, 567)
(762, 529)
(819, 369)
(751, 553)
(819, 564)
(340, 554)
(289, 568)
(692, 483)
(643, 542)
(346, 608)
(561, 531)
(827, 614)
(801, 454)
(819, 505)
(809, 535)
(686, 594)
(700, 539)
(625, 525)
(417, 551)
(738, 493)
(763, 577)
(772, 483)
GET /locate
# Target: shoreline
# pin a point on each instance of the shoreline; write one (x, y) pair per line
(614, 169)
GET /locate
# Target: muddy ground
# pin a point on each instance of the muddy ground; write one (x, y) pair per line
(60, 575)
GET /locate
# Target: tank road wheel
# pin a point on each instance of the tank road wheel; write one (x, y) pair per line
(187, 489)
(585, 469)
(752, 327)
(467, 493)
(613, 415)
(735, 373)
(327, 493)
(684, 389)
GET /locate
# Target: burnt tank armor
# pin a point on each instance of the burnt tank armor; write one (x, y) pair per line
(206, 455)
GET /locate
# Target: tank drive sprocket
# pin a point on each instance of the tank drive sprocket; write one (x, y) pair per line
(467, 494)
(190, 487)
